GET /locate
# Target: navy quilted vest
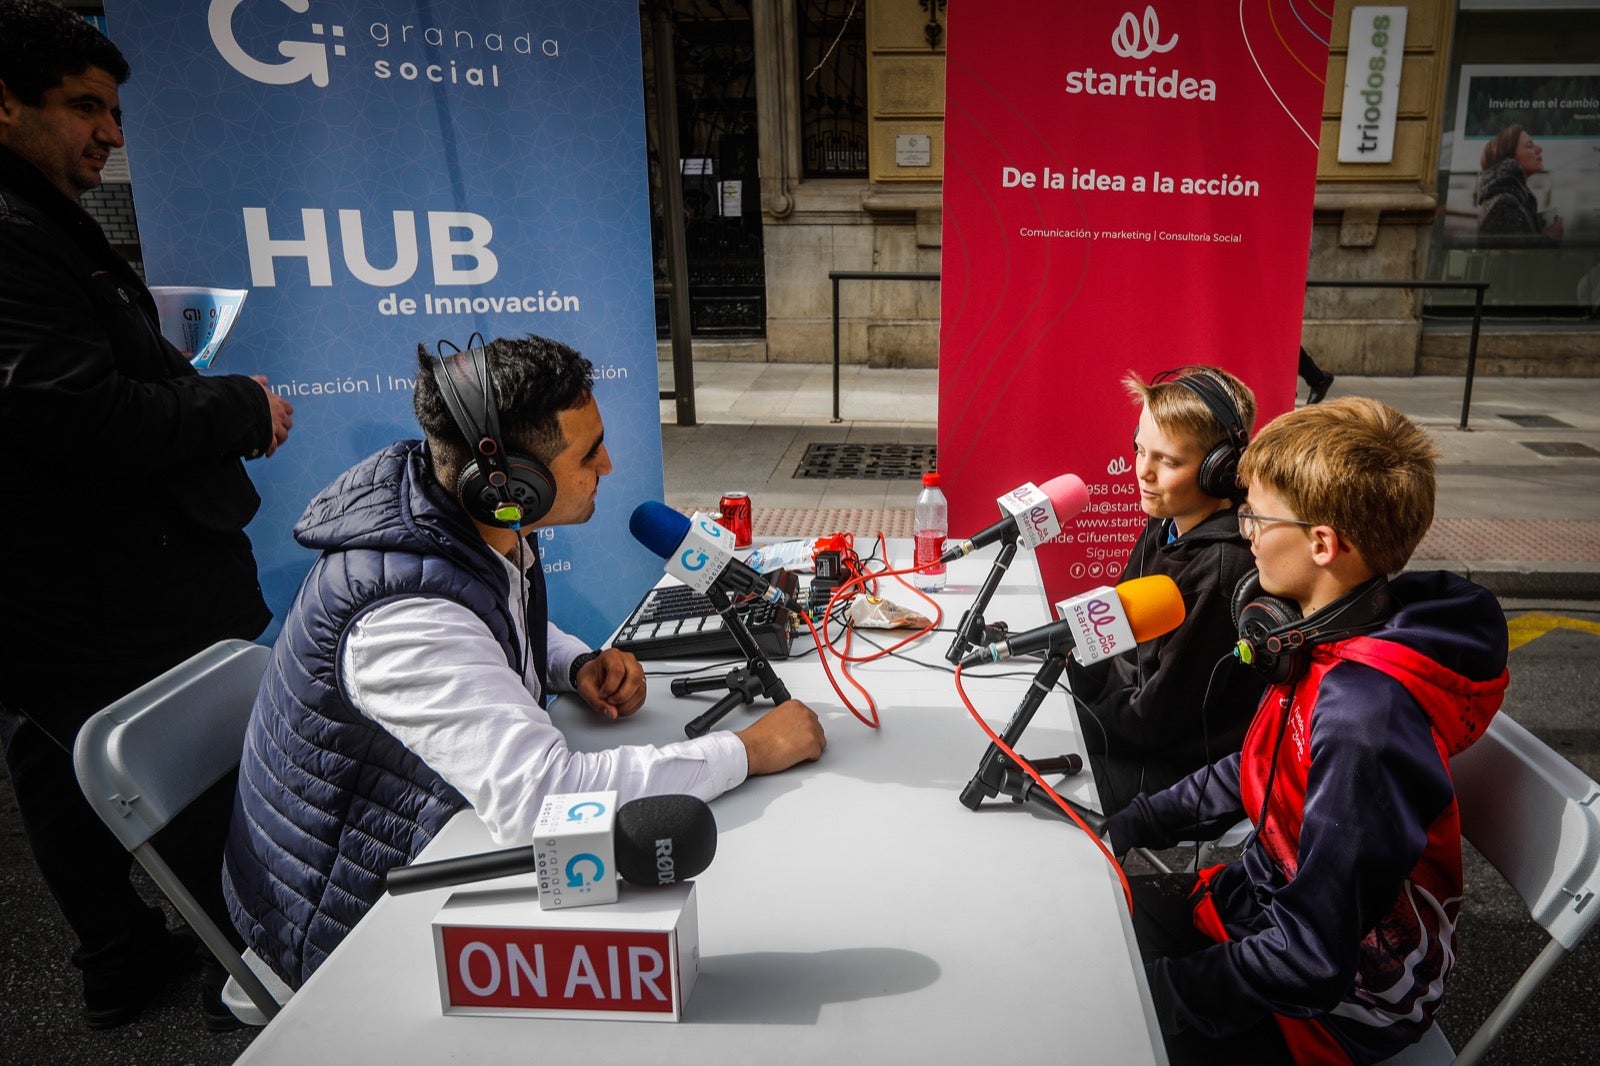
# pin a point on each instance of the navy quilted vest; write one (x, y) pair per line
(329, 801)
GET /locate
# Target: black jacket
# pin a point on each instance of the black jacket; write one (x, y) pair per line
(122, 549)
(1150, 719)
(1507, 209)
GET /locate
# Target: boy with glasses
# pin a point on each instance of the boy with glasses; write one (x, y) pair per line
(1331, 938)
(1173, 704)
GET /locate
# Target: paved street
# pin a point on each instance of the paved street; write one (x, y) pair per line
(1524, 522)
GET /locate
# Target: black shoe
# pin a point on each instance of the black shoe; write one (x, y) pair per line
(218, 1018)
(116, 990)
(1319, 388)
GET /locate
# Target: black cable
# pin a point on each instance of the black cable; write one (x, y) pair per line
(1266, 793)
(522, 605)
(1205, 746)
(941, 666)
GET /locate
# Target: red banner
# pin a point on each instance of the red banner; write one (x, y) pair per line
(1125, 189)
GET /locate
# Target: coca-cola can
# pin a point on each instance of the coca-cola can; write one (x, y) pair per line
(737, 517)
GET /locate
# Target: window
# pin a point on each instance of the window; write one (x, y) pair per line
(833, 88)
(1520, 163)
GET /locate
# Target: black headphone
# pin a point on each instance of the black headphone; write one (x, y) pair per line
(499, 488)
(1276, 642)
(1219, 470)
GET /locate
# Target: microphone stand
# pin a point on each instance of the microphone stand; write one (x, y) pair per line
(997, 774)
(969, 633)
(755, 678)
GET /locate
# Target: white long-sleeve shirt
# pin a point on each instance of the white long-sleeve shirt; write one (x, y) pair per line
(431, 673)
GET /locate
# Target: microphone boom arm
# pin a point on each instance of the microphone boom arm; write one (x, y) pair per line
(969, 632)
(755, 678)
(997, 774)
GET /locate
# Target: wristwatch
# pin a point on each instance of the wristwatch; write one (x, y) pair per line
(578, 664)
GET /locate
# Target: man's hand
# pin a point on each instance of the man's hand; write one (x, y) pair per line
(612, 683)
(789, 733)
(282, 414)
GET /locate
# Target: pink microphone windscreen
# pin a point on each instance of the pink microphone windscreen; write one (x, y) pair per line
(1068, 495)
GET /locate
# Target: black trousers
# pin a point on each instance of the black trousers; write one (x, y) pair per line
(1164, 926)
(84, 866)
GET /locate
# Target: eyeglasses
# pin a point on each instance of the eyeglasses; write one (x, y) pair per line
(1250, 522)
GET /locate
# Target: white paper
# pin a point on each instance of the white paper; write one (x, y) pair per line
(197, 319)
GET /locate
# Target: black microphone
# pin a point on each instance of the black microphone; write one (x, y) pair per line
(658, 840)
(691, 550)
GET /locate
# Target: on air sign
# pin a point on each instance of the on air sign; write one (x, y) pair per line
(635, 959)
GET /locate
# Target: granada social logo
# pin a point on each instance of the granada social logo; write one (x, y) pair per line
(1136, 40)
(300, 59)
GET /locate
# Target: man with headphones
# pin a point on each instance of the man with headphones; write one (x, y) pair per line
(1155, 714)
(1331, 938)
(412, 671)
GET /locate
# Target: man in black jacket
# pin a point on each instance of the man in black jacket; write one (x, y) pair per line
(123, 549)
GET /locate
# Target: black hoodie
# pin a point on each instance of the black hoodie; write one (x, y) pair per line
(1152, 719)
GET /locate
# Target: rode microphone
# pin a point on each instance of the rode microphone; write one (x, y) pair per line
(699, 553)
(1033, 514)
(1098, 624)
(660, 840)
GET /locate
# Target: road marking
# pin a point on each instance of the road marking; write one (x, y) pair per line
(1535, 624)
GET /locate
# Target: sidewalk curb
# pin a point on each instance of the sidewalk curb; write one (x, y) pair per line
(1531, 581)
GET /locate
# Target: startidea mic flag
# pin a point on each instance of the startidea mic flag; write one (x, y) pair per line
(1127, 187)
(383, 175)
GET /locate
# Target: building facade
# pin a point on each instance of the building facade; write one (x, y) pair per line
(806, 136)
(840, 104)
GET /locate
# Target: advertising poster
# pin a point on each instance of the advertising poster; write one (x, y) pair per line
(1524, 159)
(382, 175)
(1127, 187)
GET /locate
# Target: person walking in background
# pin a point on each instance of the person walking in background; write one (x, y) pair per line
(1318, 381)
(123, 551)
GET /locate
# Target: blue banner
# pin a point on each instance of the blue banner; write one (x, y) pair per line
(380, 175)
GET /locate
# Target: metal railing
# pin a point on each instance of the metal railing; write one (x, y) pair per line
(1478, 289)
(837, 276)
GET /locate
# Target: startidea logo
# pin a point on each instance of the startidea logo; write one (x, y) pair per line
(1136, 38)
(301, 59)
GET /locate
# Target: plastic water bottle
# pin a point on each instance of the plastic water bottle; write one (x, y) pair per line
(931, 523)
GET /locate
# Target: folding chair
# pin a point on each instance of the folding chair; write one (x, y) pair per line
(1237, 834)
(146, 757)
(1536, 818)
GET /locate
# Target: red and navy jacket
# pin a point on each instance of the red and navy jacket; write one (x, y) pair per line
(1339, 919)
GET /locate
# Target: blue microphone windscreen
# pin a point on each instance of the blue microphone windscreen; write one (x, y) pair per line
(658, 527)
